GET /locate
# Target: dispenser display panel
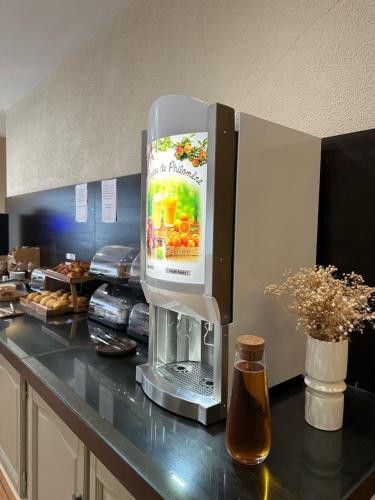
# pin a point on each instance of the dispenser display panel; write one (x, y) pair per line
(176, 208)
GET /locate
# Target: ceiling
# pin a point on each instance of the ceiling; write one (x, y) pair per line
(36, 35)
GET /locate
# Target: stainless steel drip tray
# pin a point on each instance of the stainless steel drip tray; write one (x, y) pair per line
(190, 375)
(183, 387)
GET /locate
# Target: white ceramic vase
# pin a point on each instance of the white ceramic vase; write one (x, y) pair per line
(326, 366)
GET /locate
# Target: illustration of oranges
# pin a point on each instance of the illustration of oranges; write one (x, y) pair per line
(202, 155)
(196, 239)
(176, 241)
(184, 227)
(179, 152)
(184, 239)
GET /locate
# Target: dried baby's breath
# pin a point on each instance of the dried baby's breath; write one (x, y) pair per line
(327, 307)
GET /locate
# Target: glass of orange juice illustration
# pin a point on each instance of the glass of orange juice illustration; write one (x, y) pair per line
(169, 206)
(157, 203)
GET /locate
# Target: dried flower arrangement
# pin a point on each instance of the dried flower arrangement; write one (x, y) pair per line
(328, 308)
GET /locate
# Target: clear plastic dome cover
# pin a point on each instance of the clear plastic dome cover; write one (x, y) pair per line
(139, 319)
(111, 304)
(12, 288)
(114, 261)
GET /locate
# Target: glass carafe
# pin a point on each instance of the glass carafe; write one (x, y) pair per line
(248, 430)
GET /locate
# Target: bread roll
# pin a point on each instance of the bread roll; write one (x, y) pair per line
(65, 296)
(32, 295)
(50, 303)
(61, 269)
(45, 293)
(37, 299)
(60, 304)
(78, 269)
(44, 300)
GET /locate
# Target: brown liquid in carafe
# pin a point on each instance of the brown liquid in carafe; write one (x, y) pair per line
(248, 434)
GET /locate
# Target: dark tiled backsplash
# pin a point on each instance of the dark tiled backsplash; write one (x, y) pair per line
(47, 219)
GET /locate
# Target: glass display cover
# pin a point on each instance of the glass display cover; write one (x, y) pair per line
(114, 261)
(176, 208)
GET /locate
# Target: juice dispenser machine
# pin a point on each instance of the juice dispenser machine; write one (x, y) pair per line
(229, 201)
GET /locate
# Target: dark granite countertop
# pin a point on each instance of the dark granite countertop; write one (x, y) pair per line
(180, 458)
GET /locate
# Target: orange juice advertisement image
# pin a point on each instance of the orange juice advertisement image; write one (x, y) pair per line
(176, 207)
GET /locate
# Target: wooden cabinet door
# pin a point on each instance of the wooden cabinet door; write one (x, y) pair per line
(103, 485)
(13, 426)
(56, 455)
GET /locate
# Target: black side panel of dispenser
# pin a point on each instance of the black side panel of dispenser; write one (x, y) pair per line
(222, 156)
(346, 236)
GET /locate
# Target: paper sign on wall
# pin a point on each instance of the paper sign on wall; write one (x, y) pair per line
(109, 200)
(81, 203)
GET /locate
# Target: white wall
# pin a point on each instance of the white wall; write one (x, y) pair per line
(306, 64)
(2, 174)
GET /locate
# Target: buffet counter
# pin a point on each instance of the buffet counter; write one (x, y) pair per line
(154, 453)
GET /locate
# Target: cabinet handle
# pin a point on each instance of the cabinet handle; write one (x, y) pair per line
(75, 497)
